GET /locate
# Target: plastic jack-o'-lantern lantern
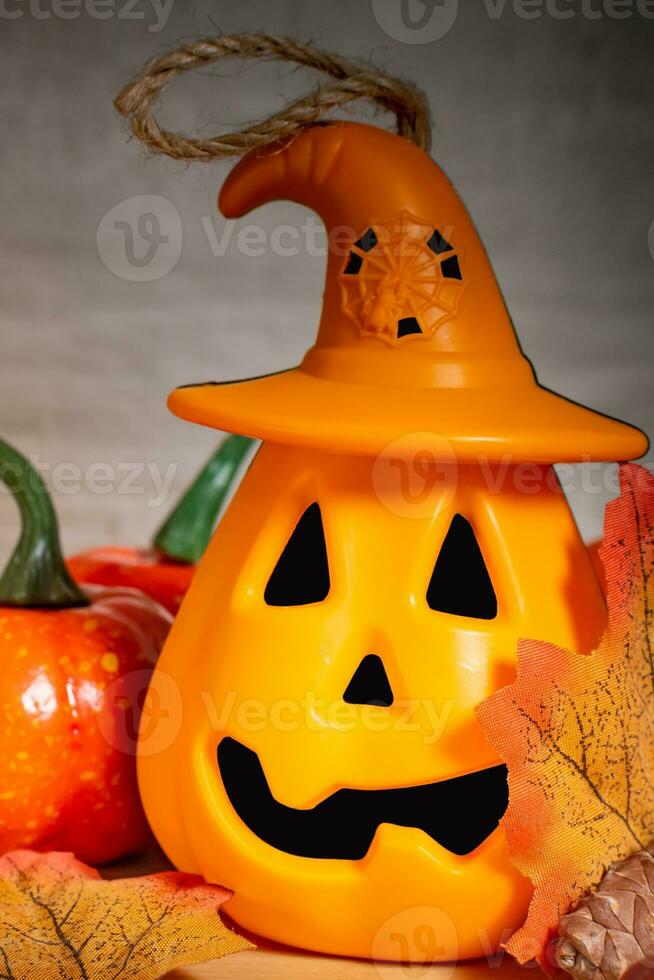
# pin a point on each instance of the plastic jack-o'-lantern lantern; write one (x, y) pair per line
(399, 530)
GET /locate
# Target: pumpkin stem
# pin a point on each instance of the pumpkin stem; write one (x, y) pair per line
(36, 574)
(185, 534)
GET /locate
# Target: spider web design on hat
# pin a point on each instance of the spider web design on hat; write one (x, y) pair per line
(401, 279)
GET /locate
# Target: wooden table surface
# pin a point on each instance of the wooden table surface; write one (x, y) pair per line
(272, 962)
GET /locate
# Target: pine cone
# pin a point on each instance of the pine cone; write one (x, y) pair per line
(610, 935)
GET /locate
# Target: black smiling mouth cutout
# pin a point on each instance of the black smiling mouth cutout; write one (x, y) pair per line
(459, 813)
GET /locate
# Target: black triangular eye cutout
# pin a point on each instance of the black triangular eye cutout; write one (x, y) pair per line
(301, 575)
(369, 684)
(460, 583)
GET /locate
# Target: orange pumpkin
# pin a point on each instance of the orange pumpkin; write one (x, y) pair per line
(75, 670)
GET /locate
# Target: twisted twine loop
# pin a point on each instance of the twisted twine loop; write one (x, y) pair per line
(352, 81)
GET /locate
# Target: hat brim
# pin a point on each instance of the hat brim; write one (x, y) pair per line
(525, 424)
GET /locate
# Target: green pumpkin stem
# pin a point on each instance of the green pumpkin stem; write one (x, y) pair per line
(185, 534)
(36, 574)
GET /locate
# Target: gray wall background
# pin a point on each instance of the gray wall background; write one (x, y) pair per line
(544, 124)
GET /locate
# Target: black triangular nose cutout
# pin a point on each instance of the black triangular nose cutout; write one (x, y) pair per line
(301, 575)
(460, 583)
(369, 684)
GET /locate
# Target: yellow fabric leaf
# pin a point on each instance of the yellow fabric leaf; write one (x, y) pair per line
(577, 734)
(59, 920)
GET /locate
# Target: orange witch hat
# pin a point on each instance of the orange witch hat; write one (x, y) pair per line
(414, 338)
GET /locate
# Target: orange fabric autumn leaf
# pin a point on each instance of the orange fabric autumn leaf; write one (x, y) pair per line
(60, 919)
(577, 734)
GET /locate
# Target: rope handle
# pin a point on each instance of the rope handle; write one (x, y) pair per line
(352, 81)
